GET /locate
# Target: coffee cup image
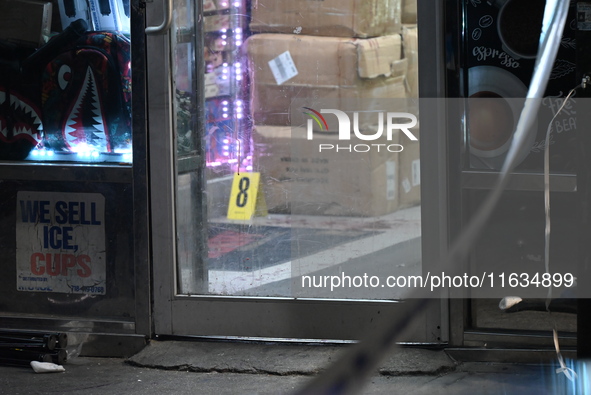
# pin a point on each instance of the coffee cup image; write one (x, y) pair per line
(493, 107)
(491, 121)
(519, 24)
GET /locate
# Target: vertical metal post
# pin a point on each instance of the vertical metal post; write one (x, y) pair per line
(141, 226)
(584, 197)
(200, 217)
(435, 186)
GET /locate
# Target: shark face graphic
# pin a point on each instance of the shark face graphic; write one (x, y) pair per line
(79, 101)
(75, 101)
(85, 123)
(20, 125)
(27, 121)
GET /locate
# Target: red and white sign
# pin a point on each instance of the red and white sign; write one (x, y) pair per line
(60, 242)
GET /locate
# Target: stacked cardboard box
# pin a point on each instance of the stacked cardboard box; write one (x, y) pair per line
(333, 18)
(26, 23)
(409, 11)
(345, 51)
(285, 67)
(301, 180)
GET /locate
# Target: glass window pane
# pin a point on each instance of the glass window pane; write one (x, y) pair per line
(65, 88)
(286, 212)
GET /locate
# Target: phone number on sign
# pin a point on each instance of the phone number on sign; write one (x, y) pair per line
(88, 289)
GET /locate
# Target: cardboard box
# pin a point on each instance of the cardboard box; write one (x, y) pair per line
(410, 173)
(209, 5)
(26, 23)
(409, 11)
(298, 179)
(410, 47)
(215, 23)
(287, 67)
(334, 18)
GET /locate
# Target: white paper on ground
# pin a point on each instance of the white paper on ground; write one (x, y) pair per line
(46, 367)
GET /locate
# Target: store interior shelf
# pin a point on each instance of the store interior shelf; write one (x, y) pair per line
(519, 181)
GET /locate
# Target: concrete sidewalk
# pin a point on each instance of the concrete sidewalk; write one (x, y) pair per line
(204, 368)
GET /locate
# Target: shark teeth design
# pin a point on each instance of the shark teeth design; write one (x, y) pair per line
(27, 110)
(3, 130)
(86, 125)
(27, 120)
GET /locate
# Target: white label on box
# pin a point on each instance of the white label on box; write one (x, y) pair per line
(391, 180)
(60, 242)
(283, 68)
(416, 172)
(406, 185)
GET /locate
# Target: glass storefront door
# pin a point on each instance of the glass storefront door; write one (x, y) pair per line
(271, 217)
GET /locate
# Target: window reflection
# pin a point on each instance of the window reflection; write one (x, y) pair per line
(65, 86)
(257, 67)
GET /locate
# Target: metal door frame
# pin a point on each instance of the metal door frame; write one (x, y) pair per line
(466, 341)
(255, 317)
(107, 335)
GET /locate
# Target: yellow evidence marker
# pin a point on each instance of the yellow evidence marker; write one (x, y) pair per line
(246, 197)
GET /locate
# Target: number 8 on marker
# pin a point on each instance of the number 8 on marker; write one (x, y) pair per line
(246, 200)
(242, 196)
